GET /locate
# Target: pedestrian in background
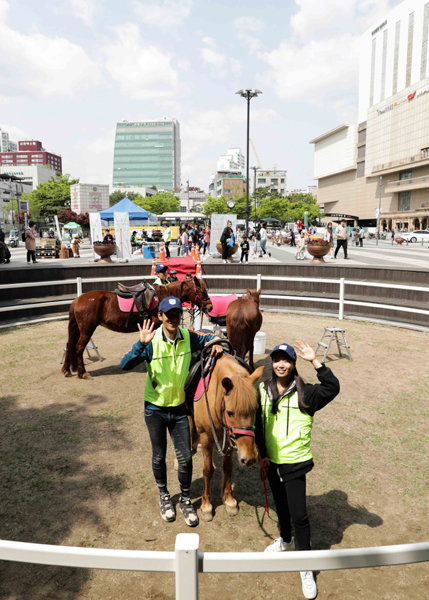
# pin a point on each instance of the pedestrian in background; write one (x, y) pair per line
(264, 239)
(207, 234)
(361, 236)
(328, 236)
(30, 242)
(341, 233)
(245, 247)
(225, 238)
(166, 236)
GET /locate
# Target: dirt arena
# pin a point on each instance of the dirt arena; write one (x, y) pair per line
(76, 468)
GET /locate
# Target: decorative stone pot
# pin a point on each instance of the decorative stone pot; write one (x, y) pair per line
(231, 249)
(399, 240)
(104, 251)
(318, 252)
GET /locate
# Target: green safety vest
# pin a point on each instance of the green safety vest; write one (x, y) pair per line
(288, 432)
(168, 370)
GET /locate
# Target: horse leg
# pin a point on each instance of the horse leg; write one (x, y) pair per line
(70, 359)
(228, 499)
(80, 348)
(252, 366)
(207, 448)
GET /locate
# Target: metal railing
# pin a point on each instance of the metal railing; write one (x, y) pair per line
(340, 301)
(186, 562)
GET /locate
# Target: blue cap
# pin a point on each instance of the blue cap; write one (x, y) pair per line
(288, 350)
(160, 268)
(169, 303)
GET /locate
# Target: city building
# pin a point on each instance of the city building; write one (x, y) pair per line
(33, 175)
(6, 145)
(13, 209)
(147, 153)
(141, 190)
(87, 197)
(233, 161)
(190, 198)
(31, 153)
(274, 179)
(377, 170)
(227, 184)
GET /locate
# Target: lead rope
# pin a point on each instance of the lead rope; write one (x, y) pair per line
(263, 474)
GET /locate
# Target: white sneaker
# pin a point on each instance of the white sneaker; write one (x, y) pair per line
(280, 546)
(309, 587)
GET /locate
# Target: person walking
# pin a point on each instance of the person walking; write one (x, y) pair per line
(167, 353)
(227, 234)
(292, 238)
(283, 425)
(264, 239)
(328, 236)
(245, 247)
(207, 234)
(30, 242)
(361, 236)
(184, 242)
(166, 236)
(341, 233)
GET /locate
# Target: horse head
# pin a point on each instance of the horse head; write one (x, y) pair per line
(196, 292)
(254, 295)
(239, 405)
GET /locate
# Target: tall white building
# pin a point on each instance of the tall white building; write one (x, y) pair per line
(233, 161)
(6, 145)
(87, 197)
(382, 161)
(33, 174)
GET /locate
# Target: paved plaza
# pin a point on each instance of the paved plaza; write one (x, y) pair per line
(413, 256)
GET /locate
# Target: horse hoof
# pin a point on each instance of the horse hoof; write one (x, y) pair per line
(85, 376)
(232, 510)
(206, 516)
(67, 373)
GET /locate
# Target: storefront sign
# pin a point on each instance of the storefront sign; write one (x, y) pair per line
(407, 98)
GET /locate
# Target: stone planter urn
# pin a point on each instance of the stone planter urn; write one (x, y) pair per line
(231, 249)
(104, 251)
(399, 240)
(318, 252)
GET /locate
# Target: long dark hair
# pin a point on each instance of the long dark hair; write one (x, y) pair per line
(299, 384)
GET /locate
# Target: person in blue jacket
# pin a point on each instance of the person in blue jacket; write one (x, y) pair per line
(167, 353)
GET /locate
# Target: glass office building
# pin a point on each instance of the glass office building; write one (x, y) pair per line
(147, 153)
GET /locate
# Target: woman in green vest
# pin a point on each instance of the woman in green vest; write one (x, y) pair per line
(283, 434)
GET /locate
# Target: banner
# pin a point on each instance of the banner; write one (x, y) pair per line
(218, 224)
(57, 227)
(95, 229)
(122, 234)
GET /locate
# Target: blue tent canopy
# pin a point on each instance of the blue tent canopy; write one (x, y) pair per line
(125, 205)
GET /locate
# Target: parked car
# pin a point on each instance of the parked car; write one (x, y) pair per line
(418, 235)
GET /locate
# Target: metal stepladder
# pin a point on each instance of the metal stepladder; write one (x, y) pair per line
(332, 334)
(91, 345)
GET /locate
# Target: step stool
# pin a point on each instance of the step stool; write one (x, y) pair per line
(90, 345)
(333, 333)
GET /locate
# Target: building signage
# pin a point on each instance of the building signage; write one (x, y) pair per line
(411, 96)
(377, 29)
(341, 216)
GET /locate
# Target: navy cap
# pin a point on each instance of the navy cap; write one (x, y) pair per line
(160, 268)
(169, 303)
(173, 271)
(288, 350)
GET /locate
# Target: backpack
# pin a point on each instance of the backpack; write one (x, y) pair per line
(23, 236)
(258, 235)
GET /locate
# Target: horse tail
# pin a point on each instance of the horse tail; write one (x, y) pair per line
(74, 335)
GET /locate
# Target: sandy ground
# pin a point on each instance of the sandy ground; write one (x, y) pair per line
(75, 468)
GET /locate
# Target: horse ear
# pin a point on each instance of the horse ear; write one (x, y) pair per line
(227, 384)
(197, 281)
(249, 293)
(256, 375)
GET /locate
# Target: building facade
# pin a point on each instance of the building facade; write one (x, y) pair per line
(6, 145)
(227, 184)
(147, 153)
(31, 153)
(380, 165)
(274, 179)
(87, 197)
(233, 161)
(191, 198)
(33, 175)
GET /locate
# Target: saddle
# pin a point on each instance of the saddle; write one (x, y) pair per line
(144, 299)
(130, 290)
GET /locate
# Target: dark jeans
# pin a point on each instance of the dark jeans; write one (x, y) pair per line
(175, 421)
(205, 247)
(343, 244)
(291, 505)
(167, 250)
(31, 255)
(225, 249)
(244, 256)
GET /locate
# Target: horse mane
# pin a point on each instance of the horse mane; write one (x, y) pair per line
(243, 394)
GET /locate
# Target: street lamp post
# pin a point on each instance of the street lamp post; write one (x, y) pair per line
(379, 209)
(248, 94)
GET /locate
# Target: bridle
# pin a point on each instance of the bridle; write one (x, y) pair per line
(199, 301)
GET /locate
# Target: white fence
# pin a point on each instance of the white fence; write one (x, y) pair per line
(187, 562)
(340, 301)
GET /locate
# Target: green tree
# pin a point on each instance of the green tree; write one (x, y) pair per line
(216, 206)
(49, 198)
(159, 203)
(118, 195)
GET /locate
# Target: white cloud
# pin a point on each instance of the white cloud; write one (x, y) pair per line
(165, 13)
(43, 65)
(85, 10)
(91, 159)
(247, 28)
(219, 63)
(142, 71)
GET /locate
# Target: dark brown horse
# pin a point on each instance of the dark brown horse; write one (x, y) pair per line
(98, 307)
(231, 406)
(243, 321)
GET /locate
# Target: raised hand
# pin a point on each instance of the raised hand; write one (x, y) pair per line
(147, 332)
(305, 351)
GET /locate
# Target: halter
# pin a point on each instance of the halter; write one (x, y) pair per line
(198, 298)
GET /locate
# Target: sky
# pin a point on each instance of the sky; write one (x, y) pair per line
(71, 69)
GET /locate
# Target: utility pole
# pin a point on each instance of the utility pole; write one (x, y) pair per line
(255, 169)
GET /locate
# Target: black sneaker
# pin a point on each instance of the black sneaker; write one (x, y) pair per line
(168, 512)
(189, 512)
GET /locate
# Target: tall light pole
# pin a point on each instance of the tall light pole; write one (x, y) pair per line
(380, 181)
(248, 94)
(255, 169)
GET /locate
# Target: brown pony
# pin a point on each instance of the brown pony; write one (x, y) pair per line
(243, 321)
(98, 307)
(230, 403)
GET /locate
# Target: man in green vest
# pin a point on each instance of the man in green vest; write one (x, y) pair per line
(167, 353)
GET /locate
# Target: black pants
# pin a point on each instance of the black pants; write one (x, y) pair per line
(343, 244)
(205, 247)
(244, 256)
(225, 249)
(175, 421)
(31, 255)
(291, 506)
(167, 250)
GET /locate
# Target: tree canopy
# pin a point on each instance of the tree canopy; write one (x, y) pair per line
(159, 203)
(49, 198)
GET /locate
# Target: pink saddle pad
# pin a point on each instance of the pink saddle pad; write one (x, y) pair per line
(220, 304)
(125, 304)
